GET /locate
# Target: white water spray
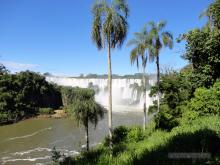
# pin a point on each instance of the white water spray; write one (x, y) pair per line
(122, 94)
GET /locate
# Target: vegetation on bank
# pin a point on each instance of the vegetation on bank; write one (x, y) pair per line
(135, 146)
(24, 94)
(28, 94)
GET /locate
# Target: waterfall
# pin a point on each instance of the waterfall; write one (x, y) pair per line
(122, 93)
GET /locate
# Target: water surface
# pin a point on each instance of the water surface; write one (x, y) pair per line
(31, 141)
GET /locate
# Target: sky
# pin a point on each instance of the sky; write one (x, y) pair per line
(55, 35)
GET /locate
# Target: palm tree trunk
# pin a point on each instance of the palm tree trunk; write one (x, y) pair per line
(110, 95)
(87, 136)
(144, 86)
(158, 83)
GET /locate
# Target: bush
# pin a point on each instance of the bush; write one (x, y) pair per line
(46, 111)
(176, 89)
(135, 134)
(118, 135)
(206, 101)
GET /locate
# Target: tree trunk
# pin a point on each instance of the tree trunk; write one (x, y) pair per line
(110, 95)
(158, 83)
(87, 136)
(144, 86)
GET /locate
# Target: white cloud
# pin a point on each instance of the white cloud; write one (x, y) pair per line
(15, 66)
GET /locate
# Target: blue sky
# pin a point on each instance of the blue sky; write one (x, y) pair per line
(55, 35)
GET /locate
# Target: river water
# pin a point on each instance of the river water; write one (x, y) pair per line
(31, 141)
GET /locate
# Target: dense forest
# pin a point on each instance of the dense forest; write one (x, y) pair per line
(23, 94)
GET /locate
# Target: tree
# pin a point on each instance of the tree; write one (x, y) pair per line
(203, 49)
(22, 94)
(109, 29)
(206, 101)
(213, 14)
(3, 69)
(160, 39)
(141, 42)
(176, 89)
(85, 111)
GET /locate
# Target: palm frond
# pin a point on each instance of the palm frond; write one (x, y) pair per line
(132, 42)
(109, 23)
(87, 110)
(121, 6)
(167, 38)
(98, 10)
(152, 53)
(161, 25)
(152, 24)
(134, 57)
(144, 60)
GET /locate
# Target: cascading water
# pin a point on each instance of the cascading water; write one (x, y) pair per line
(122, 92)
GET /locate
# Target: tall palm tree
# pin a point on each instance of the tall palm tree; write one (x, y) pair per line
(85, 111)
(159, 40)
(141, 42)
(109, 29)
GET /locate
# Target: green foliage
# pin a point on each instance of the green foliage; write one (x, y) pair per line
(109, 23)
(22, 94)
(80, 104)
(206, 101)
(135, 134)
(214, 14)
(168, 118)
(140, 41)
(46, 111)
(202, 50)
(176, 90)
(85, 111)
(118, 135)
(70, 95)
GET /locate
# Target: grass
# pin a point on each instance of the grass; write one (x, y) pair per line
(200, 136)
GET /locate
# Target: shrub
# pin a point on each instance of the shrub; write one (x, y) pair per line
(135, 134)
(118, 135)
(206, 101)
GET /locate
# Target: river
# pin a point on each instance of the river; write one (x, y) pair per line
(30, 142)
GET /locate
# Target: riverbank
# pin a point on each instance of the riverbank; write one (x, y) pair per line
(58, 114)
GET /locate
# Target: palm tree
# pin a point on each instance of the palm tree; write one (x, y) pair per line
(159, 40)
(141, 42)
(85, 111)
(109, 29)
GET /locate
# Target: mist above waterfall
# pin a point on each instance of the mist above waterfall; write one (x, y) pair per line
(126, 92)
